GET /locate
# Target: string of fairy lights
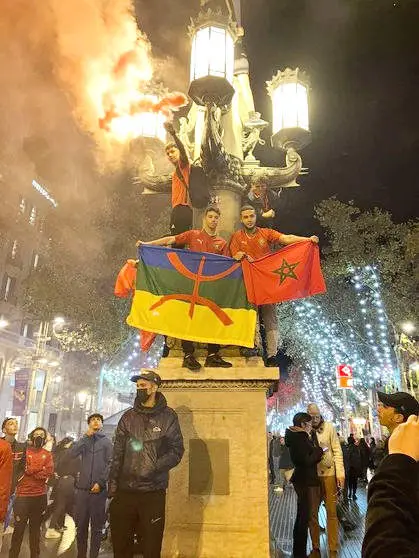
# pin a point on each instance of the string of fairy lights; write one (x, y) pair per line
(130, 360)
(361, 341)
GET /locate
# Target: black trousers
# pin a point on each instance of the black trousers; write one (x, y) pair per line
(180, 220)
(63, 503)
(305, 497)
(188, 348)
(138, 512)
(352, 481)
(28, 508)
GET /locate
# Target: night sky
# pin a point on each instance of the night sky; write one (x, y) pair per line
(363, 60)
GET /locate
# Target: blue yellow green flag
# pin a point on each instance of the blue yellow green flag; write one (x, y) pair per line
(192, 295)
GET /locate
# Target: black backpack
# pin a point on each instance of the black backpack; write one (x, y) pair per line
(198, 186)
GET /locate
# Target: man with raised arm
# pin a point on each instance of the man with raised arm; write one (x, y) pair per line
(254, 242)
(204, 240)
(181, 216)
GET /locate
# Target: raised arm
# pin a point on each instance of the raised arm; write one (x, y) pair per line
(292, 239)
(164, 241)
(182, 151)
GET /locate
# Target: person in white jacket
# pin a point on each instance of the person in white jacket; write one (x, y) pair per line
(331, 473)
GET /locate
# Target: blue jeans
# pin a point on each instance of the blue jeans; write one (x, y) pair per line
(89, 509)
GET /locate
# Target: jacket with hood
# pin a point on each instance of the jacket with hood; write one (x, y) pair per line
(332, 460)
(96, 455)
(392, 521)
(39, 467)
(305, 456)
(148, 443)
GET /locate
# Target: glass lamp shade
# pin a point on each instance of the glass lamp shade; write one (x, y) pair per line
(212, 53)
(144, 124)
(290, 123)
(289, 107)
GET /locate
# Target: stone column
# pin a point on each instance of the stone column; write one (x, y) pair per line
(217, 503)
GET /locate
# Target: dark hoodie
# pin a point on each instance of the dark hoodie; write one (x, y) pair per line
(96, 454)
(148, 443)
(305, 456)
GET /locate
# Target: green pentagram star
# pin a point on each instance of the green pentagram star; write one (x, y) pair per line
(286, 270)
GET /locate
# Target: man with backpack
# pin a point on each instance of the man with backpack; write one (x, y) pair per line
(189, 188)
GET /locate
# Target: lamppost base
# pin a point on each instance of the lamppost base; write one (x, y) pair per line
(211, 90)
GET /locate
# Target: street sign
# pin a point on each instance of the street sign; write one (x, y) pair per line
(344, 376)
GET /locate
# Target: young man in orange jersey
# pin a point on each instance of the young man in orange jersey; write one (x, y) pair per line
(204, 240)
(181, 216)
(254, 242)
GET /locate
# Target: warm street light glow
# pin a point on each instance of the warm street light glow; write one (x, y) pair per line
(82, 397)
(212, 53)
(408, 327)
(54, 363)
(3, 323)
(59, 321)
(58, 379)
(145, 124)
(289, 94)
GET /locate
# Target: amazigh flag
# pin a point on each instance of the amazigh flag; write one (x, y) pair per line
(192, 295)
(293, 272)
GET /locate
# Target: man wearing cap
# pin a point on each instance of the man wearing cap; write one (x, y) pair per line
(148, 443)
(395, 408)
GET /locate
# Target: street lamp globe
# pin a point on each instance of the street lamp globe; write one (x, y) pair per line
(213, 37)
(3, 322)
(290, 123)
(408, 327)
(147, 123)
(82, 397)
(212, 53)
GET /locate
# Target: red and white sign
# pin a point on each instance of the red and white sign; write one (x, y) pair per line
(344, 376)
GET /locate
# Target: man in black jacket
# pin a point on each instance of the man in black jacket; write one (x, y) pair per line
(392, 523)
(305, 456)
(148, 443)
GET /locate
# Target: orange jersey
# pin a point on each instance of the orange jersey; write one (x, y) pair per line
(201, 241)
(180, 194)
(254, 245)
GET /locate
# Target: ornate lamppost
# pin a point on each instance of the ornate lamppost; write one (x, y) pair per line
(222, 127)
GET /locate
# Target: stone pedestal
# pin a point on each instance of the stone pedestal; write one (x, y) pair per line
(217, 502)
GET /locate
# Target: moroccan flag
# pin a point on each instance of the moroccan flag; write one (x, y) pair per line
(192, 295)
(293, 272)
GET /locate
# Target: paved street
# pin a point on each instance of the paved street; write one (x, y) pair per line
(282, 513)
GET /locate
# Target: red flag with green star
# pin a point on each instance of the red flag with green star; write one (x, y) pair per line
(293, 272)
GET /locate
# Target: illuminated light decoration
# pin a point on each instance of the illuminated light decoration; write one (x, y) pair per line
(44, 193)
(290, 123)
(129, 361)
(362, 342)
(212, 53)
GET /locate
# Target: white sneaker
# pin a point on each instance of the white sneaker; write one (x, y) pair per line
(52, 534)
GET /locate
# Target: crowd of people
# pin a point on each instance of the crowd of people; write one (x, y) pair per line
(80, 478)
(41, 484)
(323, 467)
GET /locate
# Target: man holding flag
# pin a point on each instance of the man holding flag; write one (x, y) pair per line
(253, 243)
(205, 240)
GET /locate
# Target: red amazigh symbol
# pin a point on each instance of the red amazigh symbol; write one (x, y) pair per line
(198, 278)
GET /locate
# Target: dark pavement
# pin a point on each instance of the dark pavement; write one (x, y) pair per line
(282, 513)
